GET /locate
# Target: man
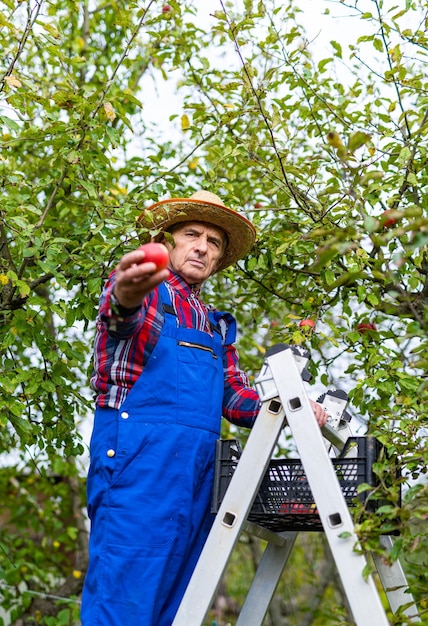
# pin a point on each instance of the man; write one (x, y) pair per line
(166, 371)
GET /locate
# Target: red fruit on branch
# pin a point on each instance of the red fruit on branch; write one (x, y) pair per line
(155, 253)
(166, 8)
(307, 323)
(388, 218)
(363, 327)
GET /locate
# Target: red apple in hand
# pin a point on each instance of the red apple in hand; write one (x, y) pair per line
(155, 253)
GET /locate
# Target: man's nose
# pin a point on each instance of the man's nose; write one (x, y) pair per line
(202, 244)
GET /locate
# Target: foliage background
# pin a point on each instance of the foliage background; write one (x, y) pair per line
(322, 147)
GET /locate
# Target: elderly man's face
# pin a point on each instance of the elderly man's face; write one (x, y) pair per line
(198, 249)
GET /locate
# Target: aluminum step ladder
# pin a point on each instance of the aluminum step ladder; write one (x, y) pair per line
(284, 402)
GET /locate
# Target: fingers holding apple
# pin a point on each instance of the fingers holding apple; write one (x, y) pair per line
(147, 259)
(139, 272)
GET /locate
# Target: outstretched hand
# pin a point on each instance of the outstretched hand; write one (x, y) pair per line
(135, 279)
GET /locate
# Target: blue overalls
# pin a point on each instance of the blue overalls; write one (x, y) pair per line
(150, 480)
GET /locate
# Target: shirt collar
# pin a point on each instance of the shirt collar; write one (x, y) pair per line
(182, 287)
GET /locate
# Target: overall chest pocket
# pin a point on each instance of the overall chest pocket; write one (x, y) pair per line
(190, 351)
(200, 385)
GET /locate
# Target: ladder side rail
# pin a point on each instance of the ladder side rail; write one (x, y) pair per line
(265, 534)
(338, 526)
(333, 438)
(265, 581)
(276, 555)
(336, 433)
(337, 430)
(232, 514)
(394, 582)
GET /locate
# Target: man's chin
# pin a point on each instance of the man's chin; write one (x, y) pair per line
(194, 276)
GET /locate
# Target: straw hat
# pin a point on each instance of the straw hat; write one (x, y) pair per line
(203, 206)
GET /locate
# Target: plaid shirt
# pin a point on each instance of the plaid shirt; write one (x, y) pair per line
(123, 346)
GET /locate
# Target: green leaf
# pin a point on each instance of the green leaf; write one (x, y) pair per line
(373, 299)
(378, 44)
(330, 277)
(90, 188)
(63, 617)
(367, 572)
(9, 123)
(345, 534)
(338, 48)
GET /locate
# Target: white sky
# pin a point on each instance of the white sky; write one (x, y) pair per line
(161, 100)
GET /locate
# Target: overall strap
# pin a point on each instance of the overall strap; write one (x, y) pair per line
(225, 324)
(167, 307)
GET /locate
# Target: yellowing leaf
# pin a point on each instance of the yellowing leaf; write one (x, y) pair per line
(194, 163)
(13, 81)
(50, 29)
(24, 289)
(185, 122)
(108, 108)
(80, 43)
(115, 191)
(371, 176)
(342, 153)
(333, 138)
(357, 139)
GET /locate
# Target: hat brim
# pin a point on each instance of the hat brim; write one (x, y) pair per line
(240, 231)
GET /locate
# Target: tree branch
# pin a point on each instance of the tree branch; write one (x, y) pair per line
(22, 42)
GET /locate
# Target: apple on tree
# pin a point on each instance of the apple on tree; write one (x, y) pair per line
(388, 218)
(364, 327)
(308, 323)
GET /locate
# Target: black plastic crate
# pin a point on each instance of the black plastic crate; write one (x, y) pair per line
(284, 500)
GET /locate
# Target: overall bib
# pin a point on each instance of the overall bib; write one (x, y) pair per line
(150, 480)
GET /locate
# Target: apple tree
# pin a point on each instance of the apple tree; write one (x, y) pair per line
(324, 151)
